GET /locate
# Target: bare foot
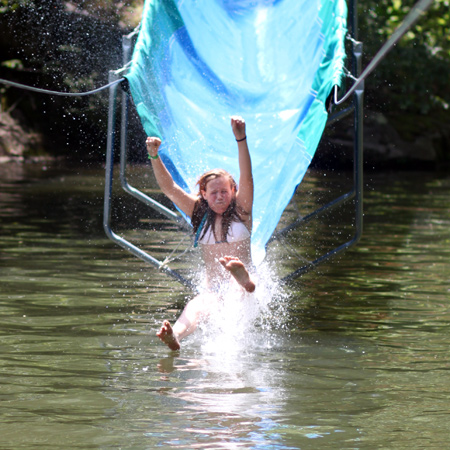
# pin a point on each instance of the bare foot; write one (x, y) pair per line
(236, 267)
(167, 335)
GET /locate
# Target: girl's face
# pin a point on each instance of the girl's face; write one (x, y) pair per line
(218, 194)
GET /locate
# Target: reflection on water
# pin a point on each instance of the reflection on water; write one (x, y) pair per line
(354, 355)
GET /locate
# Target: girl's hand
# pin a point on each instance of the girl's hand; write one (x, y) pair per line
(153, 144)
(238, 127)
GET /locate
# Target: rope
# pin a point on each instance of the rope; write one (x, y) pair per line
(171, 258)
(419, 8)
(62, 94)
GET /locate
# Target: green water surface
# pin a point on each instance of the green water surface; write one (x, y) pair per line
(355, 356)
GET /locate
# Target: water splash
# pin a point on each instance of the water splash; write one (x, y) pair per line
(244, 322)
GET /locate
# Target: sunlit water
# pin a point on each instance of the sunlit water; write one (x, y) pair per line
(354, 355)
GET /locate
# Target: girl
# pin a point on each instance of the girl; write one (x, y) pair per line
(221, 215)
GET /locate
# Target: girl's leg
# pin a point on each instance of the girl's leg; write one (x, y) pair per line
(194, 311)
(167, 335)
(237, 268)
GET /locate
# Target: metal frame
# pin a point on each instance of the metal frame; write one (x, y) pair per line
(356, 193)
(109, 173)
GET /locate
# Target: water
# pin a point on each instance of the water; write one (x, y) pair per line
(354, 356)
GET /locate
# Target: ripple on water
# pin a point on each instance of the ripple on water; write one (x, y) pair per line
(354, 355)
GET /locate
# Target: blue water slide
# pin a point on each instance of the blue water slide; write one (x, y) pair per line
(274, 62)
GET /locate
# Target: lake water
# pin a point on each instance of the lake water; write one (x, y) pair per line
(354, 355)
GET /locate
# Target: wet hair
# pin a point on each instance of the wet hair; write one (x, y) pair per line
(202, 209)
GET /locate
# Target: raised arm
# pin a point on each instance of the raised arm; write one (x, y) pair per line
(244, 195)
(182, 199)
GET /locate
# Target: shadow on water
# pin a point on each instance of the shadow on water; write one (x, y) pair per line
(353, 355)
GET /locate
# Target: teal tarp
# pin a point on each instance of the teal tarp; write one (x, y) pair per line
(274, 62)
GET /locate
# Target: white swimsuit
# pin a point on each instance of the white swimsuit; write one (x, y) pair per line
(237, 232)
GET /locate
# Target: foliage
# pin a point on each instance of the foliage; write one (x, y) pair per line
(414, 76)
(11, 5)
(71, 45)
(13, 64)
(125, 12)
(63, 46)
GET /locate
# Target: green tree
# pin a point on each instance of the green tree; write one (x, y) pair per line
(414, 76)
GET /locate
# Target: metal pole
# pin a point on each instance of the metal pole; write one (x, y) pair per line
(109, 157)
(357, 191)
(358, 98)
(126, 47)
(109, 173)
